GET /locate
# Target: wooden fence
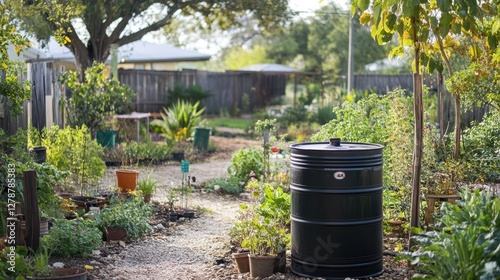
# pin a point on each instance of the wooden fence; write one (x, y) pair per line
(227, 88)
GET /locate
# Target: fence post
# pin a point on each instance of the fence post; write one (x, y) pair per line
(32, 216)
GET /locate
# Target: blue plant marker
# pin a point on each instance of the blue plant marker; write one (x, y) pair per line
(185, 166)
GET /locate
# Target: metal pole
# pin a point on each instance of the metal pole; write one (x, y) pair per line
(350, 60)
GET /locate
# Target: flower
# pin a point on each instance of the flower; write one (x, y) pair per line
(275, 149)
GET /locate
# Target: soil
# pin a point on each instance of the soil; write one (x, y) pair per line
(188, 248)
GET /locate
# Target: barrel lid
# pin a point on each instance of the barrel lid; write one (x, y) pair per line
(336, 144)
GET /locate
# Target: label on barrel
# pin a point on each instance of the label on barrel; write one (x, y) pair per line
(339, 175)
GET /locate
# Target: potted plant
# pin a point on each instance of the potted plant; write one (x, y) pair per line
(148, 187)
(130, 215)
(262, 246)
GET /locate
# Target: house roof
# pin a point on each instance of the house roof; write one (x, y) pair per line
(269, 67)
(134, 52)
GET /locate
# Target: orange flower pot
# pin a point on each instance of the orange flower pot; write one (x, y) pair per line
(126, 180)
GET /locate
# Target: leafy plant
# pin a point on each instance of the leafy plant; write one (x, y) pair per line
(181, 120)
(229, 185)
(243, 162)
(131, 215)
(147, 185)
(92, 101)
(72, 149)
(275, 206)
(192, 94)
(76, 237)
(466, 241)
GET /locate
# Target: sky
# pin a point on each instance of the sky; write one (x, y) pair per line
(305, 8)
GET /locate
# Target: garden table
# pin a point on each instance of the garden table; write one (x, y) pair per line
(137, 116)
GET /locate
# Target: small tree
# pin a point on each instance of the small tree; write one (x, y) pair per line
(90, 102)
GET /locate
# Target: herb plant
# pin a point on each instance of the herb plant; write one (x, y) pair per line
(76, 237)
(131, 215)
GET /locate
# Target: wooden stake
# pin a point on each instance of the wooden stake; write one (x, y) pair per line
(32, 215)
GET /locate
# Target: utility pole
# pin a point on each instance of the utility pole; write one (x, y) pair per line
(350, 59)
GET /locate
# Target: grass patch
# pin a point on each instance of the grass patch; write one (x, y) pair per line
(229, 122)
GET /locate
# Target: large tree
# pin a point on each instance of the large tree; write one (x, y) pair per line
(321, 41)
(424, 26)
(89, 27)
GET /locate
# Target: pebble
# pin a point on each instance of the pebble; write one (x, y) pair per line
(58, 265)
(96, 252)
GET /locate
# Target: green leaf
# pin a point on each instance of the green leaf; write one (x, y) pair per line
(363, 4)
(409, 10)
(456, 28)
(444, 24)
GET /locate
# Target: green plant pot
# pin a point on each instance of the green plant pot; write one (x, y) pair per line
(106, 138)
(201, 137)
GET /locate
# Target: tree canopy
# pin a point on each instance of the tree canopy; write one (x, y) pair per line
(321, 43)
(89, 27)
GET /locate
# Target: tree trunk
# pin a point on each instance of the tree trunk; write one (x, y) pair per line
(456, 150)
(418, 132)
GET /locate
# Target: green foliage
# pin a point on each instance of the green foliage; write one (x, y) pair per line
(72, 149)
(48, 178)
(237, 57)
(364, 121)
(243, 162)
(134, 151)
(478, 85)
(481, 157)
(192, 94)
(181, 120)
(92, 101)
(275, 206)
(147, 185)
(263, 227)
(466, 242)
(22, 265)
(76, 237)
(132, 215)
(13, 91)
(324, 115)
(229, 185)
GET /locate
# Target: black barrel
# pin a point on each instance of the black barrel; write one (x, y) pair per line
(336, 210)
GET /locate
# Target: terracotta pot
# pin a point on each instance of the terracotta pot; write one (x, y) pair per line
(261, 266)
(242, 262)
(126, 180)
(115, 234)
(65, 274)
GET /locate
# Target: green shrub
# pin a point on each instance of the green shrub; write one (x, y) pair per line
(228, 185)
(132, 215)
(481, 149)
(92, 101)
(466, 242)
(190, 94)
(73, 238)
(181, 120)
(72, 149)
(245, 161)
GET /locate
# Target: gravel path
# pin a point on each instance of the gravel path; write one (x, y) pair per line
(187, 250)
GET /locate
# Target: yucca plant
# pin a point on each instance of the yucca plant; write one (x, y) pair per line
(181, 119)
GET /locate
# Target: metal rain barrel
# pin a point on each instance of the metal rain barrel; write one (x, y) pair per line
(336, 211)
